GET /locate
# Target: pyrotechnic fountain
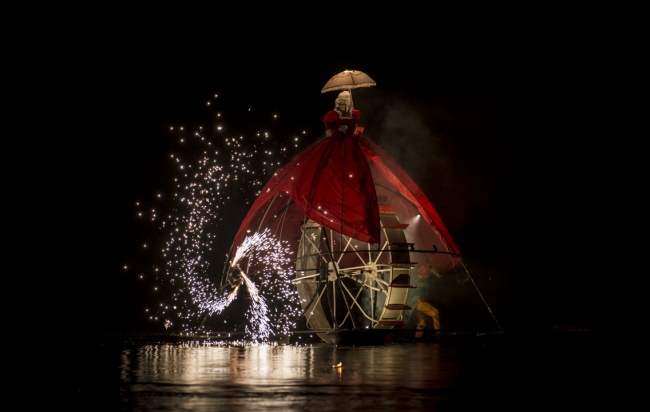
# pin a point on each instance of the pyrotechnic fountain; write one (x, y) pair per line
(218, 174)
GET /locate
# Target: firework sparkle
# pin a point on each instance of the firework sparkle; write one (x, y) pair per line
(218, 172)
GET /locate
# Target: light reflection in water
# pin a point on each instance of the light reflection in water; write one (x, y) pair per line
(253, 365)
(507, 371)
(173, 377)
(452, 373)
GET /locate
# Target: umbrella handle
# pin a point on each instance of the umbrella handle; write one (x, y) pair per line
(351, 101)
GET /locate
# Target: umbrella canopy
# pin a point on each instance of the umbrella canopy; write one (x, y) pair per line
(348, 79)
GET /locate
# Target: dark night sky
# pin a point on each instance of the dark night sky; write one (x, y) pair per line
(469, 121)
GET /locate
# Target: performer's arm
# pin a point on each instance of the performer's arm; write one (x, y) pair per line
(330, 121)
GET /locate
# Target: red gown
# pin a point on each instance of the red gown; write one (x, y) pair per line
(334, 182)
(331, 183)
(333, 121)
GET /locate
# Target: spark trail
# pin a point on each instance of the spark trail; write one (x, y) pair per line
(260, 248)
(218, 171)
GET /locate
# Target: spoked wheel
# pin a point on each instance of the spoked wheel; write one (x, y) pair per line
(346, 284)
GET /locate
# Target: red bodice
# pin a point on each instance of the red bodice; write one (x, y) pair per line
(333, 120)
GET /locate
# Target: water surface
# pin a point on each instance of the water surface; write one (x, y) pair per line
(450, 373)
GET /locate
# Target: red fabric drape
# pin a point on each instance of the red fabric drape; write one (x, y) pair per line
(333, 183)
(385, 166)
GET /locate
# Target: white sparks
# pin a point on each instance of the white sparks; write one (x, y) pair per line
(204, 188)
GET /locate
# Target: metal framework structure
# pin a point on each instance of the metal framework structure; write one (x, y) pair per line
(344, 283)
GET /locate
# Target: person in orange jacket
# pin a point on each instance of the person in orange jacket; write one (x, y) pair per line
(424, 312)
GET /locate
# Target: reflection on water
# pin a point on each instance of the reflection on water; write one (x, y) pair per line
(501, 371)
(192, 377)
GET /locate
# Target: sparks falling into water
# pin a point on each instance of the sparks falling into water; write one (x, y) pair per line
(273, 255)
(259, 328)
(218, 175)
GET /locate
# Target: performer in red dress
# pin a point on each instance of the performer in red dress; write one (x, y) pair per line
(343, 118)
(330, 181)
